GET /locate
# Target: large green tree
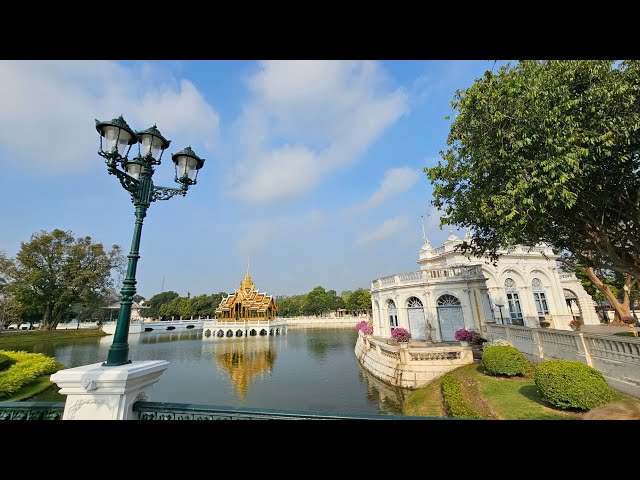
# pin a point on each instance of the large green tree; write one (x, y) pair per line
(548, 152)
(53, 271)
(290, 306)
(359, 301)
(156, 302)
(315, 302)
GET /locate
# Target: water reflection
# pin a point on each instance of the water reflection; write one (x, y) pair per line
(306, 369)
(389, 399)
(162, 337)
(244, 360)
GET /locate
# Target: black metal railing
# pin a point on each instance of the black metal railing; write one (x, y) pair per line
(31, 410)
(187, 411)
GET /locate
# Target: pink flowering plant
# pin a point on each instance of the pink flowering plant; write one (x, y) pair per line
(464, 335)
(401, 334)
(365, 327)
(576, 323)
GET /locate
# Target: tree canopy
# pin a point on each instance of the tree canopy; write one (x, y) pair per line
(169, 304)
(156, 302)
(547, 152)
(54, 271)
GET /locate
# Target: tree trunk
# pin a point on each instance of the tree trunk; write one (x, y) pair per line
(46, 318)
(620, 309)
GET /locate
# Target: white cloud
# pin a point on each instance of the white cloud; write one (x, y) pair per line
(315, 220)
(396, 180)
(306, 119)
(48, 109)
(256, 237)
(390, 227)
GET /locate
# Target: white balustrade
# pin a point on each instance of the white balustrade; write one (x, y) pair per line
(616, 357)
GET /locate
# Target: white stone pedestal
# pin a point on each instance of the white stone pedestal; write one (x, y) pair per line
(95, 392)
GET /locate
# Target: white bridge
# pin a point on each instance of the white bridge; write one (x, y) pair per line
(155, 326)
(221, 329)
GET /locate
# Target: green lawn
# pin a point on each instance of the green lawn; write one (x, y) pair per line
(9, 338)
(513, 398)
(425, 401)
(38, 386)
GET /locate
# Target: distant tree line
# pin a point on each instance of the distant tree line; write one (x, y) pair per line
(169, 305)
(320, 301)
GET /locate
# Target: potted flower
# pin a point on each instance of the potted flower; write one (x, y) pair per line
(575, 324)
(401, 335)
(464, 336)
(546, 321)
(629, 320)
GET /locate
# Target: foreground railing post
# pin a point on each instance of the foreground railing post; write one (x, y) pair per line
(96, 392)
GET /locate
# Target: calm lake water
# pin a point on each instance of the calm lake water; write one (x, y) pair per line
(306, 369)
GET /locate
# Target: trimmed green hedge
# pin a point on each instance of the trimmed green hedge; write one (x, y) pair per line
(567, 384)
(504, 360)
(27, 367)
(454, 400)
(4, 362)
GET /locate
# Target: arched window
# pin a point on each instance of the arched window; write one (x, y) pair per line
(393, 314)
(513, 300)
(414, 302)
(539, 298)
(448, 301)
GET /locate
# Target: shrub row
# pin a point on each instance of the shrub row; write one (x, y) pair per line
(504, 360)
(567, 384)
(4, 362)
(564, 384)
(27, 367)
(495, 343)
(454, 400)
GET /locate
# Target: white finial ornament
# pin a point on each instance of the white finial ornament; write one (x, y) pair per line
(424, 235)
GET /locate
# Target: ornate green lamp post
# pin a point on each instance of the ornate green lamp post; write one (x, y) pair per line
(116, 137)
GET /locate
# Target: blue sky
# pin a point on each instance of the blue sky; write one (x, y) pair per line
(313, 168)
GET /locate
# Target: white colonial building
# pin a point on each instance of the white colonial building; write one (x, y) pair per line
(451, 291)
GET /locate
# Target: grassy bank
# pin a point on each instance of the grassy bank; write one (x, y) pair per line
(40, 384)
(9, 338)
(498, 398)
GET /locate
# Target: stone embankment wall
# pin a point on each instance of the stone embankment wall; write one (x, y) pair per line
(410, 365)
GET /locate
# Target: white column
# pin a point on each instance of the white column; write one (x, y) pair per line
(472, 314)
(95, 392)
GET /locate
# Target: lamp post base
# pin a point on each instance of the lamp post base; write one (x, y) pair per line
(95, 392)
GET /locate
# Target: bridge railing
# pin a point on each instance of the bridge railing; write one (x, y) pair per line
(31, 410)
(187, 411)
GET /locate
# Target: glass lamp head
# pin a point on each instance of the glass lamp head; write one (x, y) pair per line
(115, 136)
(187, 165)
(152, 143)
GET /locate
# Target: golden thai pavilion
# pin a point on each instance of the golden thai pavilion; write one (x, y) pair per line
(247, 304)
